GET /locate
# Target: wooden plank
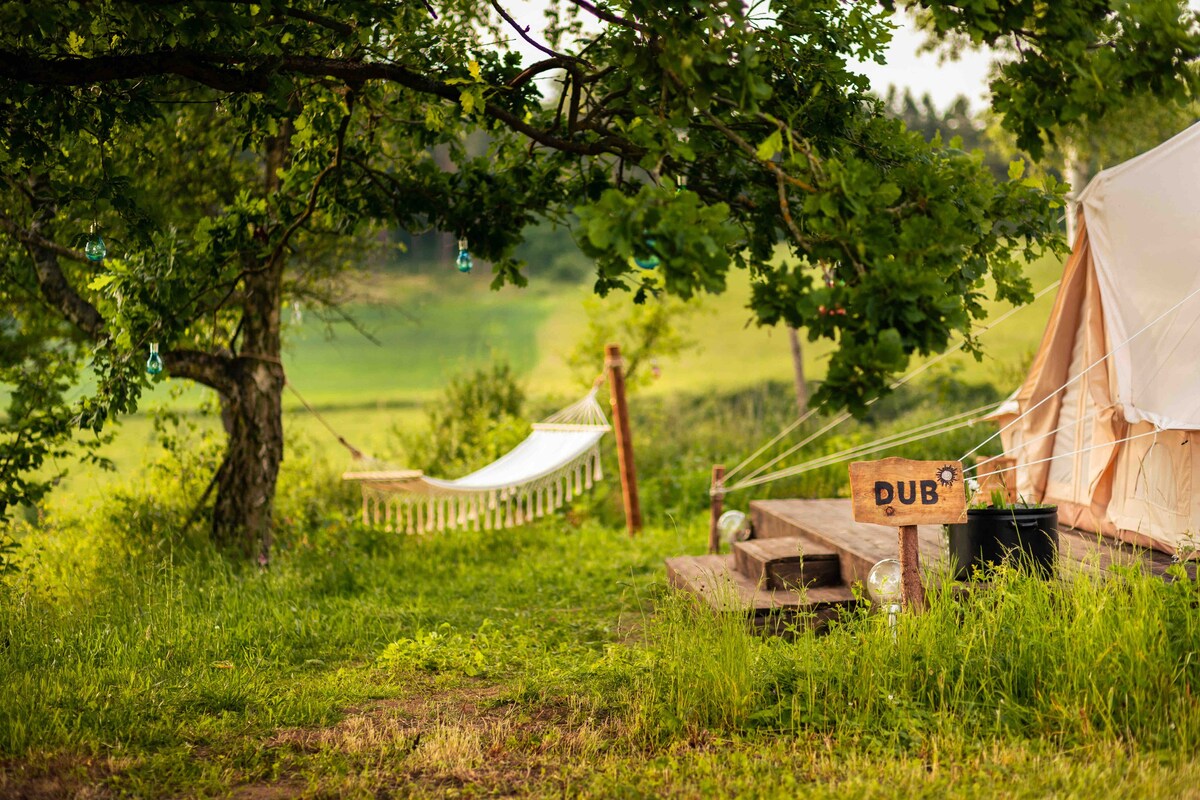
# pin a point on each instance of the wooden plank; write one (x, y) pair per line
(714, 579)
(788, 563)
(716, 502)
(388, 476)
(859, 545)
(899, 492)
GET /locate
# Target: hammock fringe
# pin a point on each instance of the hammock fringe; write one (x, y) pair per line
(560, 460)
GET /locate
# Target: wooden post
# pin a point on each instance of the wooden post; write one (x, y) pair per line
(717, 499)
(910, 569)
(616, 382)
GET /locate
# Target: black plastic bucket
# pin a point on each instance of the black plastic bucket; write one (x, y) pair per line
(1024, 537)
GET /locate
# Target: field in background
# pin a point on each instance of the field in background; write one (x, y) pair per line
(428, 328)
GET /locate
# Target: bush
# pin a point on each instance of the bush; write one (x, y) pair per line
(477, 420)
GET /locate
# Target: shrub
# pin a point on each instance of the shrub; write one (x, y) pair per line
(475, 421)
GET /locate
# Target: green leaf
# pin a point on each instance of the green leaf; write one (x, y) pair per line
(770, 146)
(100, 281)
(1016, 169)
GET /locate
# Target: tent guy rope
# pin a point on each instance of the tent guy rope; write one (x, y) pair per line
(749, 480)
(955, 422)
(1079, 376)
(1142, 435)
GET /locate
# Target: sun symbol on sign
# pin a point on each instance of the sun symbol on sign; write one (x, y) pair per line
(947, 475)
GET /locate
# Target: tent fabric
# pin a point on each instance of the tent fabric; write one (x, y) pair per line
(1117, 361)
(1142, 217)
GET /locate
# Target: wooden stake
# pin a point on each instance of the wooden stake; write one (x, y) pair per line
(718, 503)
(910, 569)
(616, 382)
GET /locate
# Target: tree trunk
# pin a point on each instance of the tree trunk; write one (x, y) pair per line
(798, 367)
(252, 406)
(1076, 170)
(242, 515)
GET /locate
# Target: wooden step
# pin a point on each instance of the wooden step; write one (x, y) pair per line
(788, 562)
(831, 523)
(716, 581)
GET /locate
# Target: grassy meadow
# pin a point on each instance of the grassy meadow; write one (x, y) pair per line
(553, 660)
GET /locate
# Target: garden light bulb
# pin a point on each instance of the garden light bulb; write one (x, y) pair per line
(883, 582)
(95, 249)
(733, 526)
(649, 262)
(154, 364)
(464, 258)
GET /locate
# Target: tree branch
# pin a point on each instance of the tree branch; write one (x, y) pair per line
(535, 69)
(328, 23)
(314, 193)
(608, 16)
(219, 74)
(524, 34)
(206, 368)
(749, 150)
(55, 288)
(29, 238)
(195, 66)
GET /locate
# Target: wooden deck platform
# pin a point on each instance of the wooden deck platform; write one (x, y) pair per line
(806, 554)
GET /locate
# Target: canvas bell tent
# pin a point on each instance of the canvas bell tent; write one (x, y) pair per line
(1107, 423)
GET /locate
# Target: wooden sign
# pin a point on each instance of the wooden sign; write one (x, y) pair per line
(897, 491)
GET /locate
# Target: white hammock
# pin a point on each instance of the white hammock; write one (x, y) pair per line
(556, 462)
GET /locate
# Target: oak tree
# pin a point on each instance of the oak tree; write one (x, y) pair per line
(231, 153)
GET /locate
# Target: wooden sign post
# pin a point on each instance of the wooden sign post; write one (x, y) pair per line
(896, 491)
(716, 505)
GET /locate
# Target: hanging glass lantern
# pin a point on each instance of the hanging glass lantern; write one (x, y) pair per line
(650, 261)
(733, 526)
(95, 250)
(154, 363)
(463, 262)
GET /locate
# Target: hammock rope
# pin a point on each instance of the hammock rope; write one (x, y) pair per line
(559, 460)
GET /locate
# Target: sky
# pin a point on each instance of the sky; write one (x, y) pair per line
(904, 68)
(923, 72)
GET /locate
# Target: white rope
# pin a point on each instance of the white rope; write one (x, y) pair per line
(1154, 432)
(803, 418)
(871, 445)
(853, 452)
(963, 419)
(585, 411)
(838, 420)
(846, 455)
(1025, 444)
(1096, 363)
(895, 385)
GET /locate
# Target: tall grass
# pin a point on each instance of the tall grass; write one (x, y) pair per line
(1073, 662)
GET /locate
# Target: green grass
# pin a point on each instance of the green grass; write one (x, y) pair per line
(552, 660)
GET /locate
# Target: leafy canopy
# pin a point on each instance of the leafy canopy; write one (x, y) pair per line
(234, 154)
